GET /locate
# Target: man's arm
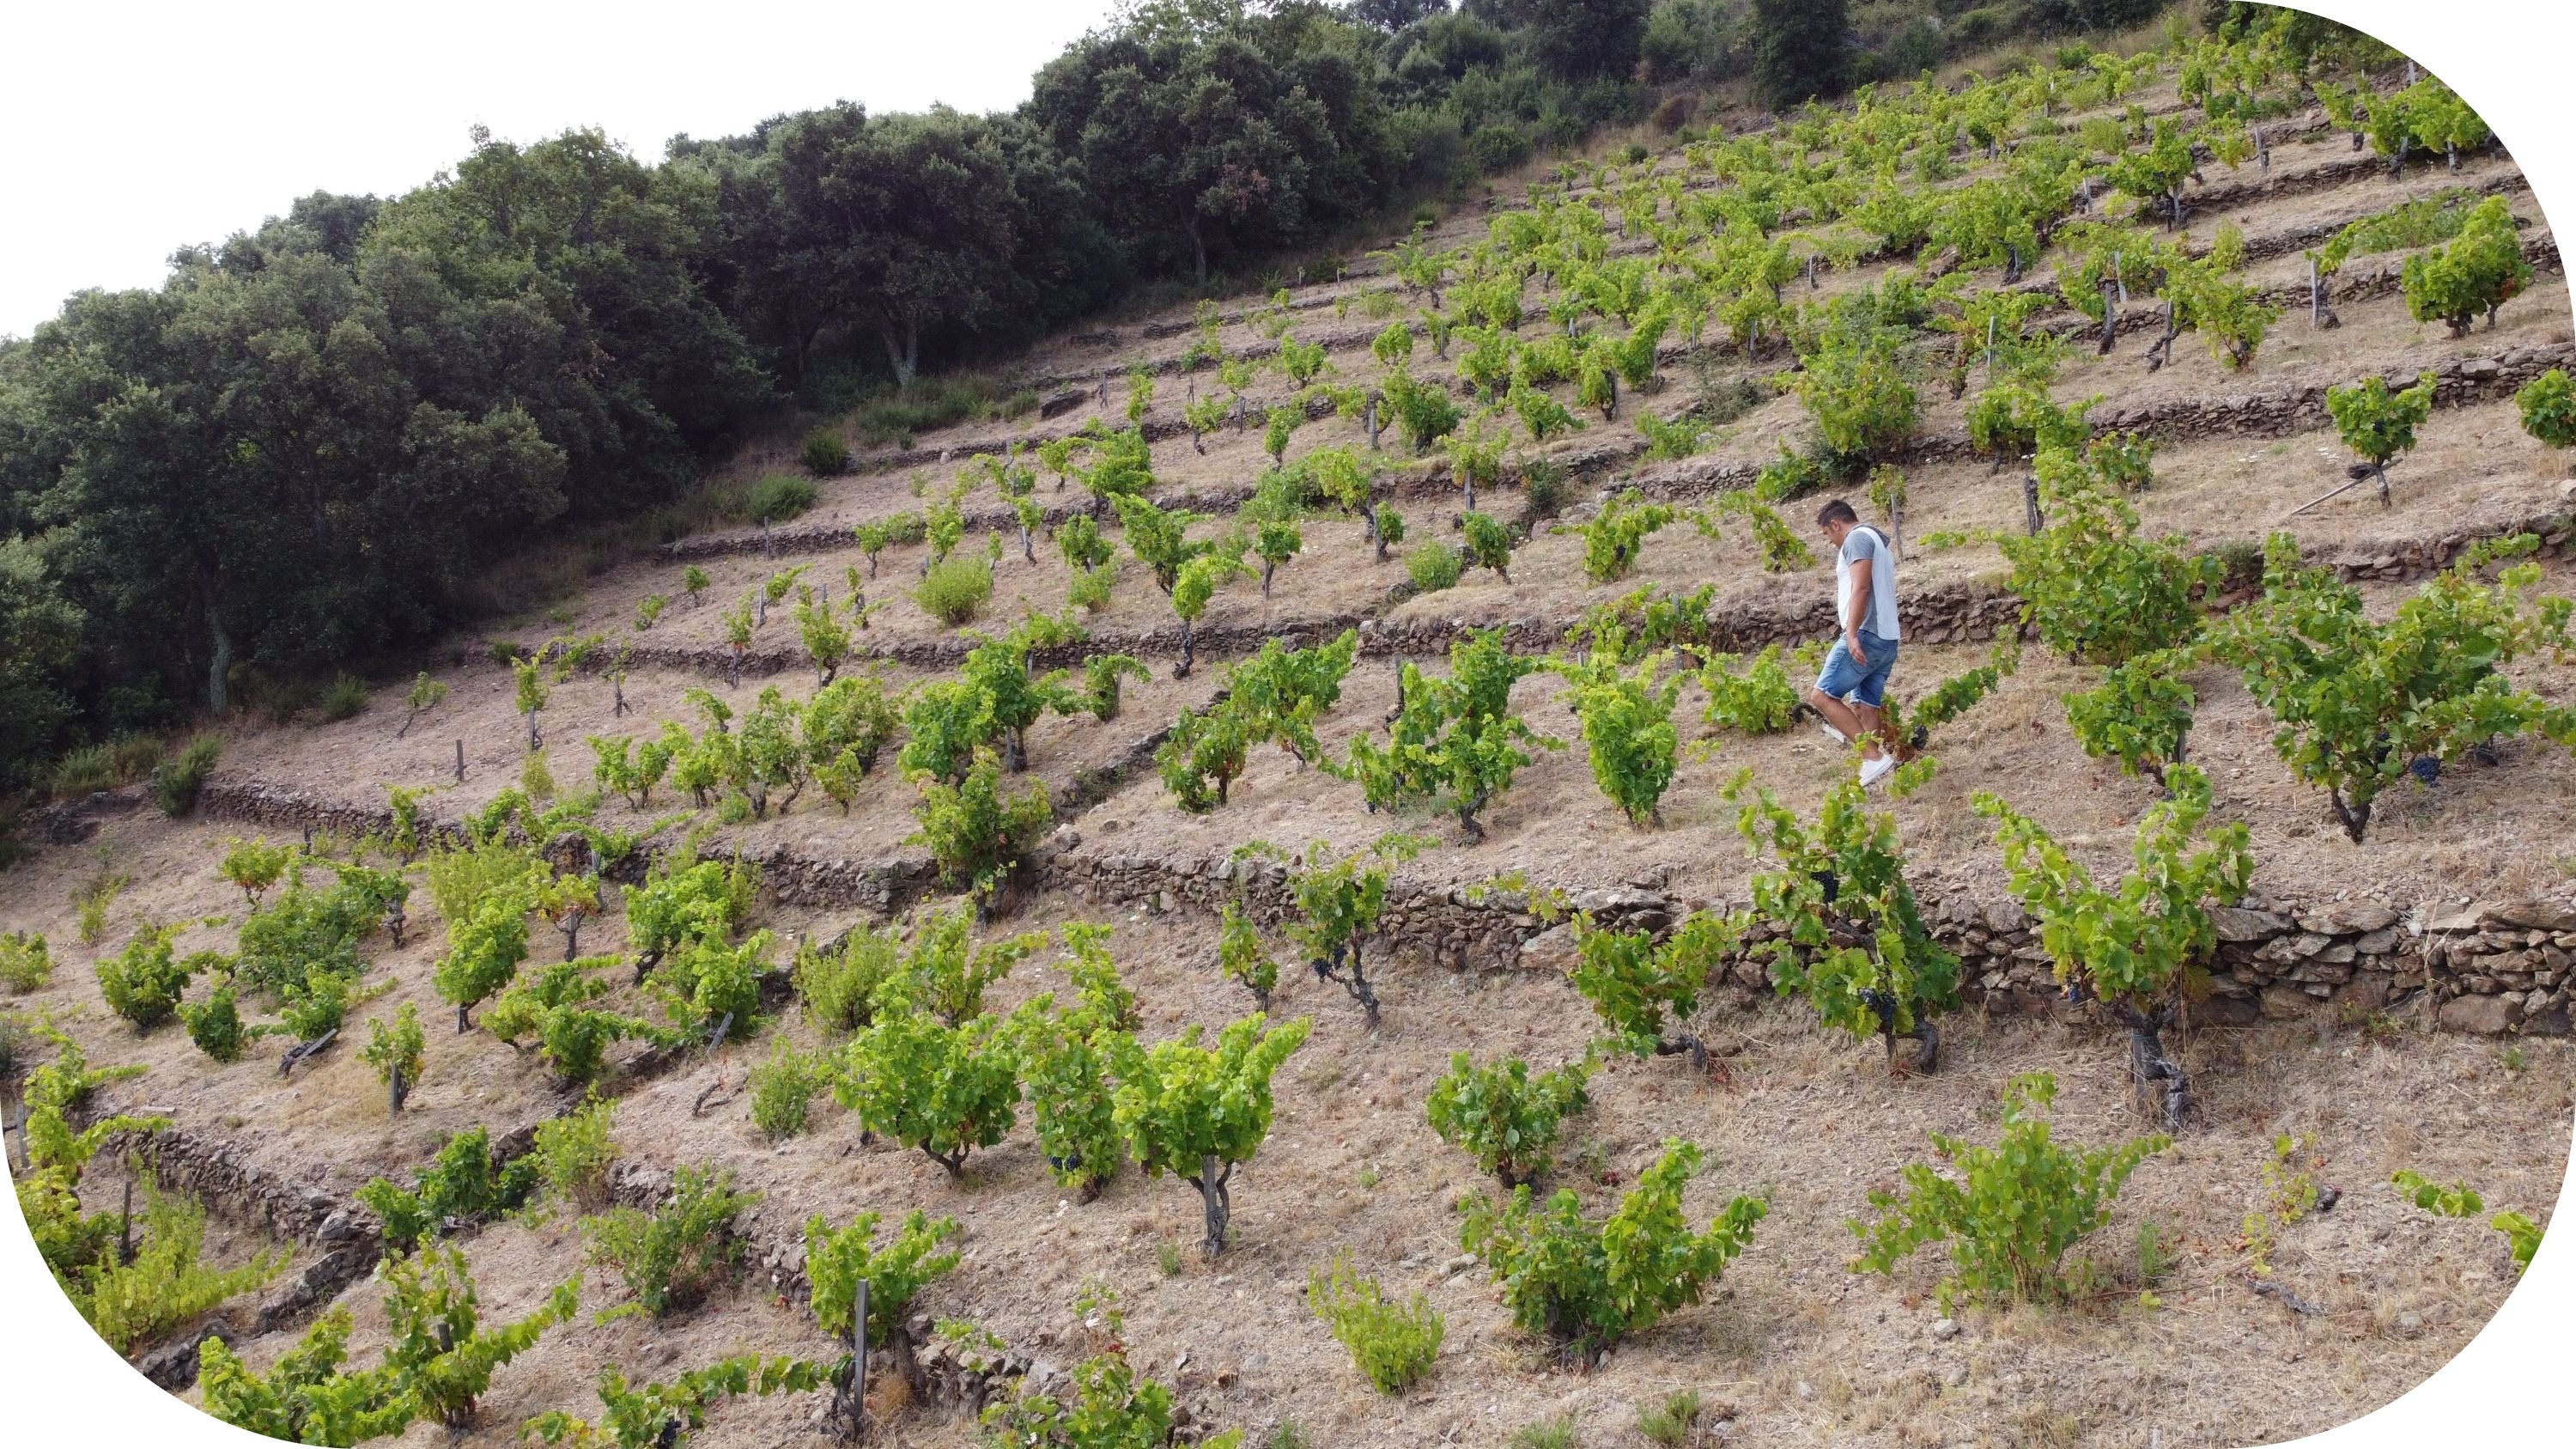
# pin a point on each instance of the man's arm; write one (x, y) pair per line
(1856, 608)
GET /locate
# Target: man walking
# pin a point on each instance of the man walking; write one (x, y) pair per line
(1854, 681)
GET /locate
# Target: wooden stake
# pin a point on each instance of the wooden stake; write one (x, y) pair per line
(2030, 504)
(460, 762)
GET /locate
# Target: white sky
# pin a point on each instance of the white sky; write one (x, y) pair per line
(138, 128)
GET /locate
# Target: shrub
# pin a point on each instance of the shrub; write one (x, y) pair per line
(670, 1256)
(2138, 715)
(838, 1259)
(573, 1155)
(462, 1182)
(1616, 535)
(783, 1090)
(1105, 1403)
(2548, 405)
(175, 782)
(344, 698)
(1633, 982)
(1240, 956)
(943, 1089)
(839, 983)
(395, 1051)
(254, 866)
(1861, 401)
(167, 1284)
(1842, 880)
(663, 1416)
(2357, 701)
(978, 832)
(1507, 1119)
(2378, 424)
(955, 589)
(1489, 545)
(438, 1361)
(83, 771)
(2476, 272)
(1433, 565)
(2014, 1210)
(483, 951)
(1499, 146)
(777, 498)
(1394, 1344)
(1594, 1282)
(1454, 741)
(1197, 1113)
(1627, 726)
(143, 982)
(827, 454)
(1065, 1060)
(24, 964)
(437, 1349)
(1762, 700)
(2089, 585)
(2131, 944)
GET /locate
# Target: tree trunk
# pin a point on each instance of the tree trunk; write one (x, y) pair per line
(904, 358)
(1198, 250)
(1218, 1204)
(1189, 651)
(218, 686)
(1268, 567)
(2030, 504)
(2380, 471)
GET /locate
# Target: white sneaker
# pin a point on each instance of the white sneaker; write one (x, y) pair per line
(1873, 771)
(1837, 736)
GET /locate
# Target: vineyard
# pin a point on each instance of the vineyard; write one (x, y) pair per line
(1286, 894)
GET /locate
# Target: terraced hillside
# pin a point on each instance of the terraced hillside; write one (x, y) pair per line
(789, 810)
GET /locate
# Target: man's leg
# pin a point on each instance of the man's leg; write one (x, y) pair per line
(1857, 722)
(1836, 713)
(1872, 728)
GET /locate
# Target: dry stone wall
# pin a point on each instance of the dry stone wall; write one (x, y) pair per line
(2489, 969)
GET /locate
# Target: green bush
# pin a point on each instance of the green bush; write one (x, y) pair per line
(1500, 146)
(783, 1090)
(827, 454)
(24, 963)
(142, 983)
(168, 1283)
(573, 1155)
(344, 698)
(2014, 1209)
(2356, 702)
(175, 782)
(1394, 1344)
(1593, 1282)
(669, 1256)
(462, 1182)
(837, 1259)
(84, 771)
(1434, 566)
(946, 1090)
(2549, 408)
(778, 497)
(839, 985)
(1508, 1119)
(956, 588)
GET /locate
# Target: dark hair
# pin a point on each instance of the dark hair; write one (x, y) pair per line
(1835, 512)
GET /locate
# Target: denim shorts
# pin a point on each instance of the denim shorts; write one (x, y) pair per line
(1859, 683)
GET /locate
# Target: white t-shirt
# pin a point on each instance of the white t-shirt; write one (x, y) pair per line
(1865, 542)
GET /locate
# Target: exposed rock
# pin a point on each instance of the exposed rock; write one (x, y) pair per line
(2477, 1015)
(2237, 925)
(2533, 915)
